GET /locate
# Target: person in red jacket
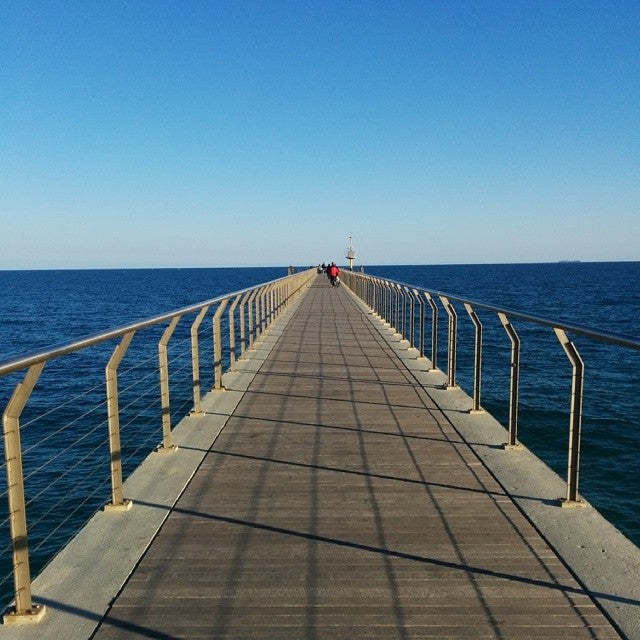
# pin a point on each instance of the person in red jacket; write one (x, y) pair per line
(332, 273)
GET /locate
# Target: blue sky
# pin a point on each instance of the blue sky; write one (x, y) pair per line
(156, 133)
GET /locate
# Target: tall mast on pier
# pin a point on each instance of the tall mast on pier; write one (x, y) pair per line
(351, 254)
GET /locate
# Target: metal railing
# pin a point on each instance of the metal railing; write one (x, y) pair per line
(394, 302)
(256, 308)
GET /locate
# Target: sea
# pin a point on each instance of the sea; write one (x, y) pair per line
(39, 309)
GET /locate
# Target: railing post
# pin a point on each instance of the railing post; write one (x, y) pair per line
(388, 303)
(274, 303)
(258, 312)
(217, 346)
(402, 326)
(284, 298)
(434, 331)
(396, 323)
(575, 419)
(477, 367)
(166, 446)
(264, 298)
(385, 296)
(412, 321)
(513, 384)
(251, 311)
(24, 610)
(268, 307)
(382, 299)
(268, 315)
(402, 308)
(452, 339)
(232, 333)
(243, 333)
(388, 316)
(118, 503)
(367, 293)
(195, 361)
(277, 300)
(371, 294)
(418, 297)
(388, 306)
(261, 313)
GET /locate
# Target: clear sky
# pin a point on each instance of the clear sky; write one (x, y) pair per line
(157, 133)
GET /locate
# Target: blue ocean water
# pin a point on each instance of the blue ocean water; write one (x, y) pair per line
(604, 296)
(42, 308)
(63, 428)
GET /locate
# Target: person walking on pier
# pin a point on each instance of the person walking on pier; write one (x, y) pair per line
(333, 274)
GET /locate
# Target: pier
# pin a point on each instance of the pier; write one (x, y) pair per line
(336, 486)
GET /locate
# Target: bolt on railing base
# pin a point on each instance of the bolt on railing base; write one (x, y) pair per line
(35, 614)
(512, 447)
(170, 449)
(569, 504)
(125, 505)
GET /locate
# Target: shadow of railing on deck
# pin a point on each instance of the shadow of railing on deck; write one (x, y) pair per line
(72, 453)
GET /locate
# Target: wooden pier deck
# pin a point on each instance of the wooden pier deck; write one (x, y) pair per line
(339, 502)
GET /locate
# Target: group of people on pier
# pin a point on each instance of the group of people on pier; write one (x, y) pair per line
(332, 271)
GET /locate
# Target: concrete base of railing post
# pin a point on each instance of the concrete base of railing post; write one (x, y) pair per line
(475, 412)
(125, 505)
(569, 504)
(512, 447)
(170, 449)
(35, 614)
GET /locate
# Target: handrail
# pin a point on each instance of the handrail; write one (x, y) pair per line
(610, 337)
(271, 298)
(55, 351)
(362, 285)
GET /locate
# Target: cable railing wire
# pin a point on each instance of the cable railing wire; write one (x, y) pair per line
(65, 456)
(389, 300)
